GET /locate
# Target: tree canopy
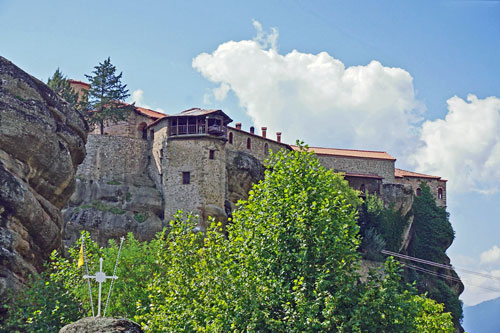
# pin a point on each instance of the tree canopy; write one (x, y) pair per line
(106, 96)
(61, 85)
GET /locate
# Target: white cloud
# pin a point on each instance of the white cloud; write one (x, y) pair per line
(314, 97)
(465, 146)
(491, 256)
(137, 97)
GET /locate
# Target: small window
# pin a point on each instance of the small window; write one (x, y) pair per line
(266, 149)
(231, 137)
(440, 193)
(418, 191)
(152, 134)
(186, 177)
(161, 178)
(362, 188)
(252, 129)
(211, 154)
(249, 143)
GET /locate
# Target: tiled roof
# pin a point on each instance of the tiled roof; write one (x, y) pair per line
(79, 82)
(399, 173)
(379, 155)
(150, 113)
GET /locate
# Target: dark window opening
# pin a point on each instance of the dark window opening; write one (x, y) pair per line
(440, 193)
(418, 191)
(266, 149)
(249, 143)
(186, 177)
(252, 129)
(231, 137)
(362, 188)
(161, 178)
(211, 154)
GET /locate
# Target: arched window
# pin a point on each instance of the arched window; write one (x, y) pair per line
(142, 130)
(252, 129)
(266, 149)
(249, 143)
(231, 137)
(440, 193)
(418, 191)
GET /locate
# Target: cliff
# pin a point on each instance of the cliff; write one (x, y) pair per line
(42, 140)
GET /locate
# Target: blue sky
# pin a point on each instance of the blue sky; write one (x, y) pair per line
(354, 74)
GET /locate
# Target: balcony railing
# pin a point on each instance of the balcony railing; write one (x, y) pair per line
(215, 130)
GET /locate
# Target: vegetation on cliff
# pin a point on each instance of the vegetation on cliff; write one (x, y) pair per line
(290, 263)
(430, 235)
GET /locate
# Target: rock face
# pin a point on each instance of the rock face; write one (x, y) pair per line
(42, 140)
(243, 170)
(114, 194)
(102, 325)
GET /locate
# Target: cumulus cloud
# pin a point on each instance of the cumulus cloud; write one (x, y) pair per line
(137, 97)
(485, 285)
(491, 256)
(315, 97)
(465, 146)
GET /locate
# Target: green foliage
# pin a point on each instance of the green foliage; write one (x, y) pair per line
(61, 86)
(141, 217)
(43, 307)
(372, 244)
(388, 223)
(289, 264)
(106, 95)
(113, 182)
(433, 234)
(128, 196)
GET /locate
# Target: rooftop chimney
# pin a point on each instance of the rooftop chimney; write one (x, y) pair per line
(252, 129)
(278, 136)
(238, 126)
(264, 130)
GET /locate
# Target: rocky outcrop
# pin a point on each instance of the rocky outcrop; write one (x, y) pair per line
(42, 140)
(114, 194)
(102, 325)
(243, 170)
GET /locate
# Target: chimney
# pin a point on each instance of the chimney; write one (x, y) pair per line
(238, 126)
(278, 136)
(264, 130)
(252, 129)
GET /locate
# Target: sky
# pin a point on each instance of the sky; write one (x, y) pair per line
(420, 80)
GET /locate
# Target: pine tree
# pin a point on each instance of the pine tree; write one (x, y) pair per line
(106, 96)
(61, 86)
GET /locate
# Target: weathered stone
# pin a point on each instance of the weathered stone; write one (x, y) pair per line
(42, 140)
(114, 194)
(102, 325)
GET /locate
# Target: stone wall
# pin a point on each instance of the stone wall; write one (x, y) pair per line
(113, 157)
(434, 185)
(206, 192)
(372, 166)
(129, 127)
(259, 146)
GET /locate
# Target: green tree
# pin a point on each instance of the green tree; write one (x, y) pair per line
(61, 86)
(106, 95)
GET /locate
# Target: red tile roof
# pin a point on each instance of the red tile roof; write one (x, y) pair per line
(79, 82)
(399, 173)
(379, 155)
(150, 113)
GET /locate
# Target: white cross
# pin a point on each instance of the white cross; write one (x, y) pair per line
(100, 277)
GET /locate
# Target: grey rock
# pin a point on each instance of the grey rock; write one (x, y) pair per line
(102, 325)
(42, 140)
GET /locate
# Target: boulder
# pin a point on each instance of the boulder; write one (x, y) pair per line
(102, 325)
(42, 140)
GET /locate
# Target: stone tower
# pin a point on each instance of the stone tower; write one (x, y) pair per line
(194, 164)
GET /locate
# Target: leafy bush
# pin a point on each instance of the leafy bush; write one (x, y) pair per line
(141, 217)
